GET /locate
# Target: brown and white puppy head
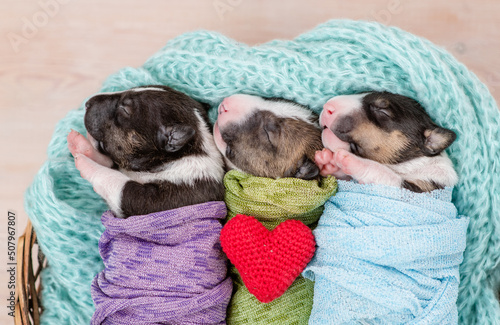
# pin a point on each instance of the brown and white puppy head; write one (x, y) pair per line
(144, 128)
(381, 126)
(268, 137)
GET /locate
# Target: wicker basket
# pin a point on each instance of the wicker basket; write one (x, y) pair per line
(28, 287)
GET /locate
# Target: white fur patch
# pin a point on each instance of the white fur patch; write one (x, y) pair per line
(210, 148)
(245, 105)
(438, 169)
(183, 171)
(110, 187)
(133, 89)
(288, 110)
(339, 106)
(348, 103)
(146, 89)
(366, 171)
(107, 182)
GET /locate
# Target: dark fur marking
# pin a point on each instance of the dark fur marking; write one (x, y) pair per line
(421, 186)
(140, 199)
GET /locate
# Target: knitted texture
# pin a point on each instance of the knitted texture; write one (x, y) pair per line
(387, 255)
(267, 261)
(338, 57)
(163, 268)
(273, 202)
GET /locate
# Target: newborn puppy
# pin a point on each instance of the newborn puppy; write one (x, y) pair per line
(149, 149)
(268, 137)
(385, 138)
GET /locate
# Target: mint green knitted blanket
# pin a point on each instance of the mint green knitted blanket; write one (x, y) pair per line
(338, 57)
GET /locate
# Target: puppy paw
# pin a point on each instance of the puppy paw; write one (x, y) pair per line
(78, 144)
(329, 169)
(348, 163)
(324, 160)
(323, 157)
(87, 167)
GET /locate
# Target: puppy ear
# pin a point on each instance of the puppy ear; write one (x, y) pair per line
(272, 127)
(307, 170)
(437, 140)
(173, 138)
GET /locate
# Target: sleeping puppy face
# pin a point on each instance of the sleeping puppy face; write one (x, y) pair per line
(268, 137)
(381, 126)
(144, 128)
(159, 139)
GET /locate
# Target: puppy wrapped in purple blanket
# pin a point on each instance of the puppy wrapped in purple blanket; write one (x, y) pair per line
(163, 268)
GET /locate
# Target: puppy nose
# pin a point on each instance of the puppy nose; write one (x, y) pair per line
(329, 108)
(222, 108)
(87, 104)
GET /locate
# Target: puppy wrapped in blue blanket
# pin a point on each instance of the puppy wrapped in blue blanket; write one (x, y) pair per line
(387, 256)
(386, 253)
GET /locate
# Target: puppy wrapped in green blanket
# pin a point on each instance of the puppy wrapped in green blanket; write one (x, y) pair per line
(273, 201)
(272, 138)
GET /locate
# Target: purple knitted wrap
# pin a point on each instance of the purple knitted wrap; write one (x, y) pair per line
(163, 268)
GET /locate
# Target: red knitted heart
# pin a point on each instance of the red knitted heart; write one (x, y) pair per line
(268, 261)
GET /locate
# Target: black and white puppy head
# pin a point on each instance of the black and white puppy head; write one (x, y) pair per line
(143, 128)
(268, 137)
(381, 126)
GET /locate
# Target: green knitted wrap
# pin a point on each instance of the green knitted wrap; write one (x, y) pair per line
(272, 201)
(335, 58)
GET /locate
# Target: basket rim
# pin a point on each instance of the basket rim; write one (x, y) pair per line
(27, 298)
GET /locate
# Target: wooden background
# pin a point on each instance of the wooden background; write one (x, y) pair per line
(55, 53)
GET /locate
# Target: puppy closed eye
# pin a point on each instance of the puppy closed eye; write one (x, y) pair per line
(229, 152)
(122, 115)
(125, 108)
(354, 148)
(381, 111)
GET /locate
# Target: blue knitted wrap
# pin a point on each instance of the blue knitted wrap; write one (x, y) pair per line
(386, 255)
(338, 57)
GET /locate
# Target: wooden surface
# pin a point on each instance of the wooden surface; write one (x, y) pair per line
(55, 53)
